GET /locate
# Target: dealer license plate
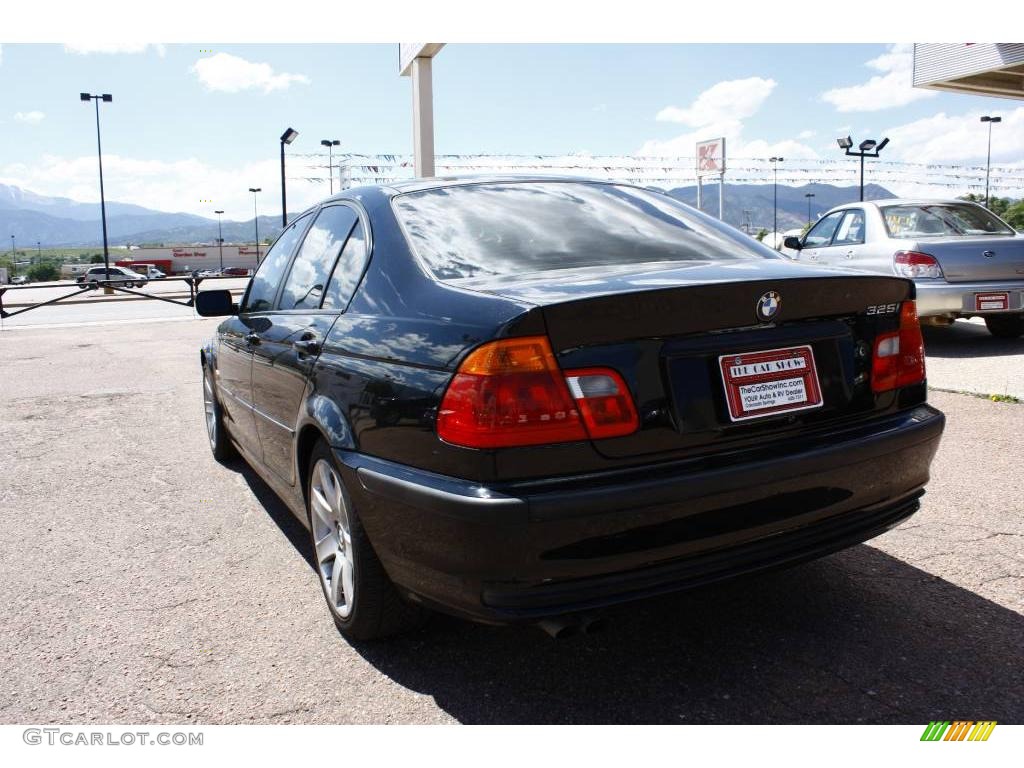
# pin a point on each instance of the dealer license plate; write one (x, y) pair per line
(770, 382)
(987, 301)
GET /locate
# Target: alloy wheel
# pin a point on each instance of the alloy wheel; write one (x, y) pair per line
(332, 537)
(211, 410)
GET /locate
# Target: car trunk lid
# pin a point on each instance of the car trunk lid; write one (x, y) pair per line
(977, 259)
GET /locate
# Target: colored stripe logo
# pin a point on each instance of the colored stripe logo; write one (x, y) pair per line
(958, 730)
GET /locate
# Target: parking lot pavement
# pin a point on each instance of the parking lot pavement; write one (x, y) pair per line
(142, 582)
(967, 358)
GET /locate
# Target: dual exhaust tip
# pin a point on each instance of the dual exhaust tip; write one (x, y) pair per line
(564, 627)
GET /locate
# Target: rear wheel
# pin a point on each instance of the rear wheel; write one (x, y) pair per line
(364, 603)
(220, 443)
(1005, 326)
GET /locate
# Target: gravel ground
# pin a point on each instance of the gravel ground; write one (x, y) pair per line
(143, 582)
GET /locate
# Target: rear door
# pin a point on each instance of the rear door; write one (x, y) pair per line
(289, 342)
(239, 335)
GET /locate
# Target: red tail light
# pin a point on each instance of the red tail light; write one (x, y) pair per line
(898, 360)
(916, 264)
(511, 392)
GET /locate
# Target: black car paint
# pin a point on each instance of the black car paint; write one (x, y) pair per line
(453, 524)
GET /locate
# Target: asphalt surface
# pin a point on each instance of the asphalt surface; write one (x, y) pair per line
(143, 582)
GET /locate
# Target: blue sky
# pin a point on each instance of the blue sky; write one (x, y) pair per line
(197, 123)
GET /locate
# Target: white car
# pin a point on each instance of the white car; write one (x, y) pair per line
(964, 260)
(120, 276)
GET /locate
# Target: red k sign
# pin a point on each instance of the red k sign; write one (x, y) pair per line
(711, 157)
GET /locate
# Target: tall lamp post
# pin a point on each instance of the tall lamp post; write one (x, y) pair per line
(286, 138)
(330, 144)
(99, 152)
(988, 163)
(808, 195)
(867, 148)
(14, 259)
(220, 240)
(256, 221)
(775, 197)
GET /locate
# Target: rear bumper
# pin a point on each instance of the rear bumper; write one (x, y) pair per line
(524, 551)
(942, 298)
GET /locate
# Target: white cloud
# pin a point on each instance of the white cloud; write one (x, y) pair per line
(807, 134)
(180, 185)
(944, 138)
(725, 101)
(224, 72)
(84, 49)
(893, 88)
(720, 111)
(32, 118)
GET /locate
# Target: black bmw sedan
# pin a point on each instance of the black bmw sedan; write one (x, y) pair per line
(521, 400)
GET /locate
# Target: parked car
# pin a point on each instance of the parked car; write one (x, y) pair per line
(523, 400)
(965, 260)
(235, 271)
(121, 276)
(207, 273)
(19, 280)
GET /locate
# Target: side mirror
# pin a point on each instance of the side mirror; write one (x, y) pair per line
(215, 304)
(793, 243)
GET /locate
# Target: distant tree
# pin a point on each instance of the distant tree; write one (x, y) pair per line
(761, 234)
(96, 258)
(42, 273)
(998, 205)
(1015, 215)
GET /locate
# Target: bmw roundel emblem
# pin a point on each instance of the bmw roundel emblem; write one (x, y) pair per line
(768, 306)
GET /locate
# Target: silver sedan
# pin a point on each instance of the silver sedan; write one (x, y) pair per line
(965, 261)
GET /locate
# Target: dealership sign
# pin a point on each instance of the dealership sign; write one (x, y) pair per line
(711, 157)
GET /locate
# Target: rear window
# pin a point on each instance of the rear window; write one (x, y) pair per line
(516, 228)
(945, 220)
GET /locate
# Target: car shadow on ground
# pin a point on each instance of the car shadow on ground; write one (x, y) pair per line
(962, 340)
(859, 636)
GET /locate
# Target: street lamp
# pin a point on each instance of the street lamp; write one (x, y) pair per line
(330, 144)
(256, 221)
(988, 164)
(286, 138)
(14, 259)
(867, 148)
(808, 195)
(775, 197)
(99, 152)
(220, 240)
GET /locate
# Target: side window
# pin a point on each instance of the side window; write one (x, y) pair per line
(264, 283)
(304, 287)
(347, 271)
(851, 230)
(821, 233)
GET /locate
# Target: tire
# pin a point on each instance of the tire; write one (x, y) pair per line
(220, 443)
(1005, 326)
(363, 602)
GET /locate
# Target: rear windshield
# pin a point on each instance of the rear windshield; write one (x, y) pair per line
(516, 228)
(941, 220)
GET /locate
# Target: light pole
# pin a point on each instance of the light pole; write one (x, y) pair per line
(39, 250)
(14, 259)
(330, 144)
(256, 221)
(99, 152)
(286, 138)
(808, 195)
(220, 240)
(988, 163)
(867, 148)
(775, 198)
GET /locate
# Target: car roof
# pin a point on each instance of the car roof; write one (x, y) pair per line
(439, 182)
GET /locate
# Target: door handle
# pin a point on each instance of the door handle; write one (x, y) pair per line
(252, 338)
(308, 344)
(849, 254)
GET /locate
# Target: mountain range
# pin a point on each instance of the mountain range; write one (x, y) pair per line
(61, 222)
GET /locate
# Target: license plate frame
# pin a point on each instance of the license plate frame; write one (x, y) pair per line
(992, 301)
(785, 380)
